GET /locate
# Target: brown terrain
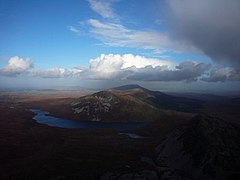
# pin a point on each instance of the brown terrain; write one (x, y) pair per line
(30, 150)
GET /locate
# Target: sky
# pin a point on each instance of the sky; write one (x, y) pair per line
(166, 45)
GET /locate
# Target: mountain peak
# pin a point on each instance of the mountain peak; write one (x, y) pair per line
(129, 86)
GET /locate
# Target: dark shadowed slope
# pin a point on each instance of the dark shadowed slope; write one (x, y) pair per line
(208, 148)
(163, 100)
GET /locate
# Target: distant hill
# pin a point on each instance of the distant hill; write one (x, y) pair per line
(128, 87)
(130, 103)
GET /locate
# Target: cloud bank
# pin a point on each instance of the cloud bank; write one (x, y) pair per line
(130, 67)
(127, 67)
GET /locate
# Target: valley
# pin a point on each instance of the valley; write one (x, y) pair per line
(183, 137)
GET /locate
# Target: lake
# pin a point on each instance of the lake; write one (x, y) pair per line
(43, 117)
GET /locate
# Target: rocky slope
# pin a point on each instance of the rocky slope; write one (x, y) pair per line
(112, 105)
(208, 148)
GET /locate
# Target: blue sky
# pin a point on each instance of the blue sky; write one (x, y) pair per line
(50, 40)
(38, 29)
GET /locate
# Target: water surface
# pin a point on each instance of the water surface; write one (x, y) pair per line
(43, 117)
(132, 135)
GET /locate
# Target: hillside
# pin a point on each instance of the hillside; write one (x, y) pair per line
(163, 100)
(114, 105)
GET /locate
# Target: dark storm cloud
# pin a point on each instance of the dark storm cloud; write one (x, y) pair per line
(223, 74)
(213, 26)
(185, 71)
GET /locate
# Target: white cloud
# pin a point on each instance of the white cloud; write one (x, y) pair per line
(102, 7)
(73, 29)
(111, 62)
(130, 67)
(16, 66)
(57, 72)
(115, 34)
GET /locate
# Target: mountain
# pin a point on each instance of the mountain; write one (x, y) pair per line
(207, 148)
(114, 105)
(130, 103)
